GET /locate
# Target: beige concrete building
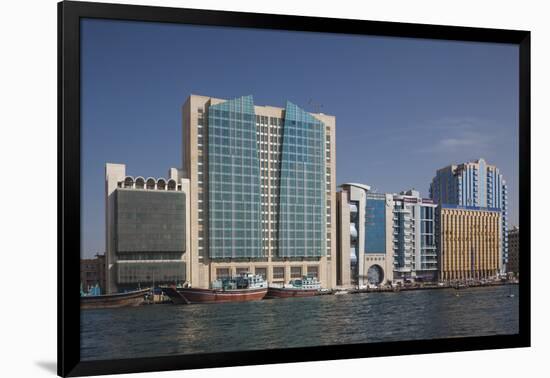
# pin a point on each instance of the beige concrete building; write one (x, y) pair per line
(146, 229)
(469, 242)
(262, 190)
(364, 236)
(513, 250)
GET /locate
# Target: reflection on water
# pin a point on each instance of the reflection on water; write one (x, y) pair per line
(297, 322)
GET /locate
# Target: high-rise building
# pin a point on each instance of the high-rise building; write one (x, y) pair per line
(384, 238)
(468, 240)
(262, 190)
(364, 229)
(513, 250)
(476, 184)
(415, 253)
(147, 228)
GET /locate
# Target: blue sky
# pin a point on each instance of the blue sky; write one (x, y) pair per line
(404, 107)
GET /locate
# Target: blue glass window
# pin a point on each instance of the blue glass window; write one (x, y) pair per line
(302, 194)
(375, 226)
(234, 179)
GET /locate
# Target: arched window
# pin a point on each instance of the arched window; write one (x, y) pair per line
(161, 184)
(171, 184)
(140, 183)
(150, 184)
(129, 182)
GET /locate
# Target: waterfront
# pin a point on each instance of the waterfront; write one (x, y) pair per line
(160, 330)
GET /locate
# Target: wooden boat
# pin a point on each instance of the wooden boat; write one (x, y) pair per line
(246, 287)
(305, 287)
(129, 299)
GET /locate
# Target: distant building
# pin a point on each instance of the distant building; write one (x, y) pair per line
(414, 248)
(513, 250)
(92, 272)
(147, 228)
(468, 239)
(476, 184)
(364, 229)
(262, 190)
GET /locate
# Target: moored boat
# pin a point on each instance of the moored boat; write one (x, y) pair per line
(246, 287)
(129, 299)
(305, 287)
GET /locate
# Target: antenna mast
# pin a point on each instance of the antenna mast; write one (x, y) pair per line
(317, 106)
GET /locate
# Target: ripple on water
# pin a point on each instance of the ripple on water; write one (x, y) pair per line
(297, 322)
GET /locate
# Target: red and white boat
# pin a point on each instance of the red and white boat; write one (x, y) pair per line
(305, 287)
(246, 287)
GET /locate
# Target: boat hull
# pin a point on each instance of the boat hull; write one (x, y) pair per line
(132, 299)
(192, 295)
(276, 292)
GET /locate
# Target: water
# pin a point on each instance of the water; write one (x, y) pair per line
(162, 330)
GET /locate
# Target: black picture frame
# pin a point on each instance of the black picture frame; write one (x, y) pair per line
(69, 15)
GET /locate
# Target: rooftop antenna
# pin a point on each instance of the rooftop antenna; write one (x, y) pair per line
(316, 105)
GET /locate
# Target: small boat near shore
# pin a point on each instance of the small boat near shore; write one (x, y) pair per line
(243, 288)
(129, 299)
(304, 287)
(341, 292)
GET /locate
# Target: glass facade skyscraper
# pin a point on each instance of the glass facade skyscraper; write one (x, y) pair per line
(262, 187)
(474, 184)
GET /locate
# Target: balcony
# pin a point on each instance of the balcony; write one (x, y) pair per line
(353, 231)
(404, 211)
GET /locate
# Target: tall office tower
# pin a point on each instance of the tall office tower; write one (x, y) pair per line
(415, 254)
(475, 184)
(147, 228)
(262, 190)
(365, 253)
(469, 242)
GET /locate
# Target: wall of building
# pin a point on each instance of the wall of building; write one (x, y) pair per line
(469, 242)
(476, 184)
(343, 240)
(414, 237)
(147, 226)
(92, 272)
(513, 251)
(364, 237)
(198, 153)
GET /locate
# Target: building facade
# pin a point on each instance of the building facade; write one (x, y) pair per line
(476, 184)
(415, 252)
(92, 272)
(513, 251)
(147, 228)
(364, 236)
(469, 242)
(262, 190)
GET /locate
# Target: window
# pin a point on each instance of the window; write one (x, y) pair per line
(242, 270)
(313, 271)
(278, 273)
(296, 272)
(262, 272)
(222, 273)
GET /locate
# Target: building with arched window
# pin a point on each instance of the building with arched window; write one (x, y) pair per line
(147, 228)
